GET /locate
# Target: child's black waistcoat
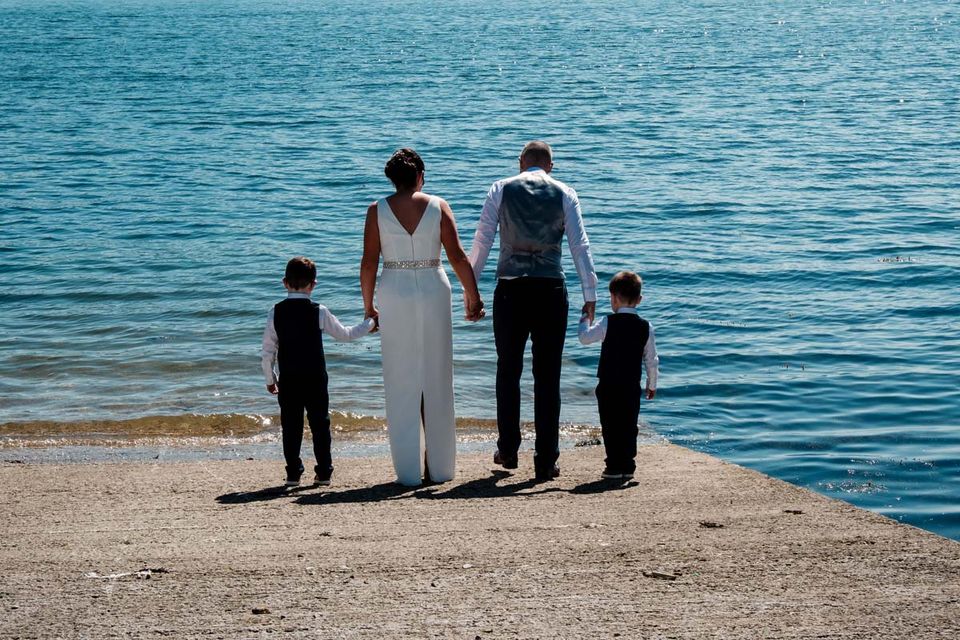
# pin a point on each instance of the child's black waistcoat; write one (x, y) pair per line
(300, 352)
(621, 356)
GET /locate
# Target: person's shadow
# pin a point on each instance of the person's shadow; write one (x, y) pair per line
(603, 485)
(376, 493)
(260, 495)
(488, 487)
(481, 488)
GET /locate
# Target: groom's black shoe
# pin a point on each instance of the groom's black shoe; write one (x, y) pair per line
(548, 474)
(609, 473)
(507, 462)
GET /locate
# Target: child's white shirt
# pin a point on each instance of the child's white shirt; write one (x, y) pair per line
(329, 324)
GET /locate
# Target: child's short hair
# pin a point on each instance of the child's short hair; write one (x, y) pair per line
(301, 273)
(626, 285)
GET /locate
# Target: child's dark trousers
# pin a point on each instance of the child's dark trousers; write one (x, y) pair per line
(619, 408)
(297, 396)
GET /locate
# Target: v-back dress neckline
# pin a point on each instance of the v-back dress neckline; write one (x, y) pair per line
(397, 219)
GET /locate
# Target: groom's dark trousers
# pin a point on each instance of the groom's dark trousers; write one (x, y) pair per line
(534, 308)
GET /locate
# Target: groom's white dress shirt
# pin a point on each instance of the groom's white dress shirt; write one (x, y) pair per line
(573, 228)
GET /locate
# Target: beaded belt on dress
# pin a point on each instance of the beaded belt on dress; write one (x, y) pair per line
(412, 264)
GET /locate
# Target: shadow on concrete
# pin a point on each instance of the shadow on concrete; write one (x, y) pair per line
(260, 495)
(488, 487)
(602, 486)
(376, 493)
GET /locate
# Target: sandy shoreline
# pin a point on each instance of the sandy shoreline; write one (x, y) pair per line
(192, 549)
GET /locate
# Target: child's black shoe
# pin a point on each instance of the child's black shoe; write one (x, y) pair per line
(293, 479)
(322, 476)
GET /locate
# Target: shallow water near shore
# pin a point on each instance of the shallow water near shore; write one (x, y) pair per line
(265, 446)
(784, 176)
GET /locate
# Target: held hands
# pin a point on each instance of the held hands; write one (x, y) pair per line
(474, 310)
(589, 310)
(272, 388)
(651, 393)
(372, 312)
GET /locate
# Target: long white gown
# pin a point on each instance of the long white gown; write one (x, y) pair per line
(416, 330)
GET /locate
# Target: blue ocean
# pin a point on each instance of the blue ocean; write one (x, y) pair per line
(784, 175)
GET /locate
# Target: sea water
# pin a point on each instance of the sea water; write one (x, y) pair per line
(785, 176)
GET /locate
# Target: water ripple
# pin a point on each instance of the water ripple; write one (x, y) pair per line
(785, 179)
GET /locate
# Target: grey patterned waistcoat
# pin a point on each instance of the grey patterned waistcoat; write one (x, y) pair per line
(531, 228)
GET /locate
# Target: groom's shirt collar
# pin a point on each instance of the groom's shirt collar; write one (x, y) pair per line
(529, 169)
(297, 295)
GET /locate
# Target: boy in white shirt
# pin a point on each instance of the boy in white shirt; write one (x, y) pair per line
(293, 340)
(628, 343)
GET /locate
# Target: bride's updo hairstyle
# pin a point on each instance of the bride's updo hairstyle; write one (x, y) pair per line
(403, 167)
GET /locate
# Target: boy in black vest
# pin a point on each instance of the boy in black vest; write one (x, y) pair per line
(627, 343)
(293, 339)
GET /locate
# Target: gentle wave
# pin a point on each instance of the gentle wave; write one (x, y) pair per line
(784, 177)
(192, 430)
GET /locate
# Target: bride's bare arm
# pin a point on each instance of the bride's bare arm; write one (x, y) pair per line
(370, 261)
(460, 263)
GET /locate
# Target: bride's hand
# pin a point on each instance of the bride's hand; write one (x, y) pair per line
(474, 309)
(372, 312)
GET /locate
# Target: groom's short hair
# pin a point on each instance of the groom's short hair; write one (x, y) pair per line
(301, 273)
(537, 153)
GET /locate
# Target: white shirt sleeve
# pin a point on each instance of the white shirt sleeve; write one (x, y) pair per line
(268, 351)
(332, 326)
(651, 361)
(579, 245)
(596, 333)
(486, 230)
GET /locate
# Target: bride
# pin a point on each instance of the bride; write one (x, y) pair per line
(414, 302)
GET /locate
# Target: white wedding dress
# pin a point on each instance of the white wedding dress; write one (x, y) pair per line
(413, 298)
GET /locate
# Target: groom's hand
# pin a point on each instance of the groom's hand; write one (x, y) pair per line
(472, 308)
(475, 311)
(589, 310)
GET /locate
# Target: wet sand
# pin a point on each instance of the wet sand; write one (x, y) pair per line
(693, 548)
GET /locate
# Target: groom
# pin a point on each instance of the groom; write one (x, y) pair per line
(533, 212)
